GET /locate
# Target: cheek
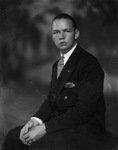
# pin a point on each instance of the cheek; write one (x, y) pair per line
(54, 40)
(71, 40)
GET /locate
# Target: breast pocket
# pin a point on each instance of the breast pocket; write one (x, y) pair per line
(71, 89)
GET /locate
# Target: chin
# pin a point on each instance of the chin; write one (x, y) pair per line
(64, 51)
(63, 48)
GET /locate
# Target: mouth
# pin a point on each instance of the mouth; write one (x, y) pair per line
(62, 44)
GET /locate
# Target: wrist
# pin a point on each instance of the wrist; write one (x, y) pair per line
(36, 120)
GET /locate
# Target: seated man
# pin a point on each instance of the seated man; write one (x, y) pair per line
(73, 115)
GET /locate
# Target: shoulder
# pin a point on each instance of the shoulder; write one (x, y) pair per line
(87, 60)
(87, 57)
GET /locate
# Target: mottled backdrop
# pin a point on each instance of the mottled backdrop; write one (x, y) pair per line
(27, 53)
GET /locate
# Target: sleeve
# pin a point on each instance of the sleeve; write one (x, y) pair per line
(90, 99)
(39, 120)
(45, 111)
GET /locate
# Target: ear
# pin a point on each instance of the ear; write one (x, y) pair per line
(77, 33)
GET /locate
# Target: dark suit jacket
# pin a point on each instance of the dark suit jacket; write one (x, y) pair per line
(80, 106)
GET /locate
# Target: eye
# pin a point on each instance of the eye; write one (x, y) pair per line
(68, 30)
(56, 32)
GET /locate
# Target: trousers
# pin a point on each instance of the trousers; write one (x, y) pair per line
(68, 139)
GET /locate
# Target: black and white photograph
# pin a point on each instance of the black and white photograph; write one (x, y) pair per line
(58, 74)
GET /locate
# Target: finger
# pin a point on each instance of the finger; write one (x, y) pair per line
(23, 141)
(21, 134)
(25, 136)
(23, 131)
(28, 126)
(29, 143)
(28, 140)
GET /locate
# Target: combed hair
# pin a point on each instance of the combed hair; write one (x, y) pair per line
(65, 16)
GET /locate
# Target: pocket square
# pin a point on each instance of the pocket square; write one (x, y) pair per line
(69, 85)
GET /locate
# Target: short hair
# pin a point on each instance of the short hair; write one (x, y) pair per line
(65, 16)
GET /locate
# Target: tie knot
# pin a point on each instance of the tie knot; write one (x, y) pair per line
(61, 61)
(62, 57)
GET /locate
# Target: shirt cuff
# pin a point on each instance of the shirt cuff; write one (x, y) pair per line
(39, 120)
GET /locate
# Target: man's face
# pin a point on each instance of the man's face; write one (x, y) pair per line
(64, 34)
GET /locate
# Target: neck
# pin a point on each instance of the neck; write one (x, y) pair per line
(63, 52)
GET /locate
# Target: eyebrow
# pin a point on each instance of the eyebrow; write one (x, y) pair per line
(63, 29)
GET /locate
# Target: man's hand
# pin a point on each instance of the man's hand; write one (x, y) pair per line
(26, 128)
(35, 134)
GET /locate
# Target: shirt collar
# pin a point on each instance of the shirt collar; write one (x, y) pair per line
(68, 54)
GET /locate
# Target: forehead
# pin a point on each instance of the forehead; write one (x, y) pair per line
(62, 24)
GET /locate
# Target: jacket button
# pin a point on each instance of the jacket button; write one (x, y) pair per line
(65, 97)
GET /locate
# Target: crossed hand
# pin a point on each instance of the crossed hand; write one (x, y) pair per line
(32, 131)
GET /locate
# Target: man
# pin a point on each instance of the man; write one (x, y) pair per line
(73, 115)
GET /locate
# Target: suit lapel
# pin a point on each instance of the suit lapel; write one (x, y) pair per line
(62, 79)
(66, 72)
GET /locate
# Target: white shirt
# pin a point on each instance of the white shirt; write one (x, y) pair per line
(66, 57)
(68, 54)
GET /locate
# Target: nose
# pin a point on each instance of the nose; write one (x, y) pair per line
(62, 35)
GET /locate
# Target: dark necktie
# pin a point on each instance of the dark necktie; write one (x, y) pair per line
(60, 66)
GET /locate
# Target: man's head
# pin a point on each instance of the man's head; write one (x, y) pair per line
(64, 32)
